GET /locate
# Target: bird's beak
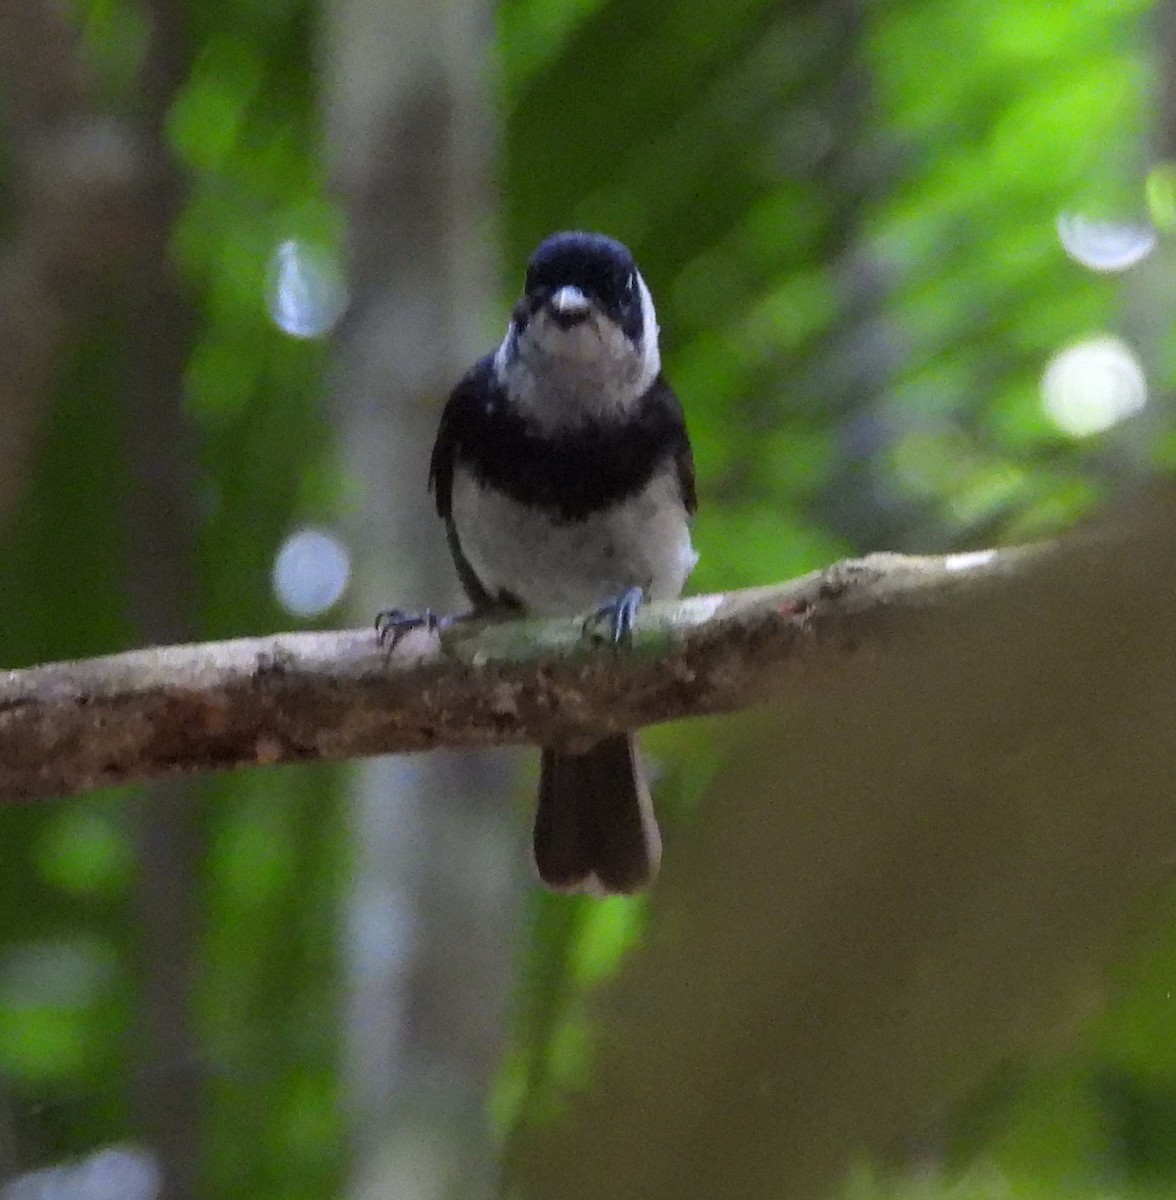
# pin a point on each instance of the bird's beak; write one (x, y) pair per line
(569, 305)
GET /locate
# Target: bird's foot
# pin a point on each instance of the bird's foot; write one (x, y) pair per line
(392, 624)
(619, 613)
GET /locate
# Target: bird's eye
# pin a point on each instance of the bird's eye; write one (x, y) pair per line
(629, 291)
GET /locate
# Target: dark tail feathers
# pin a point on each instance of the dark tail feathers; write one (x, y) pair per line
(594, 828)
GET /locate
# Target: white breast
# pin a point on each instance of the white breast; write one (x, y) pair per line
(556, 567)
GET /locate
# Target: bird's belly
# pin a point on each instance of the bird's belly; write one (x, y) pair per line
(555, 566)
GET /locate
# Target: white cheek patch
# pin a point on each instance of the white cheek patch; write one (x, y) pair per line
(505, 353)
(651, 362)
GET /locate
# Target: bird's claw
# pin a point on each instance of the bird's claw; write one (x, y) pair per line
(620, 613)
(394, 623)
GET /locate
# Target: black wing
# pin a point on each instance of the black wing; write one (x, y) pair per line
(477, 388)
(670, 418)
(685, 464)
(458, 420)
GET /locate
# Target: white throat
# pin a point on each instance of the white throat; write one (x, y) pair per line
(562, 378)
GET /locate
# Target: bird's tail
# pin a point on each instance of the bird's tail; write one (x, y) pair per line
(594, 827)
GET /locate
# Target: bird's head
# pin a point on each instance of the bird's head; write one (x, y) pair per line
(584, 335)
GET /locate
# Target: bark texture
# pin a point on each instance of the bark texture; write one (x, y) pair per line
(296, 697)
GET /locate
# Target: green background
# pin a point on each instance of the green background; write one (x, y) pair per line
(849, 218)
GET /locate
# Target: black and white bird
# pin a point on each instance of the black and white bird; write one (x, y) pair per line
(563, 472)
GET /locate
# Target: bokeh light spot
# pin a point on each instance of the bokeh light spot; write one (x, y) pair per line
(307, 293)
(310, 574)
(116, 1173)
(1105, 245)
(1092, 385)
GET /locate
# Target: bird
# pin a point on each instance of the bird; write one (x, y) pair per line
(563, 473)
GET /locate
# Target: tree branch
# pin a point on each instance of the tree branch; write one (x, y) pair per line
(293, 697)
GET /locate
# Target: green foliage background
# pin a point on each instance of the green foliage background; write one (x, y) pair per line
(848, 217)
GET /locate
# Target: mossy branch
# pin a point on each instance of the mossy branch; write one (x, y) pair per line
(294, 697)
